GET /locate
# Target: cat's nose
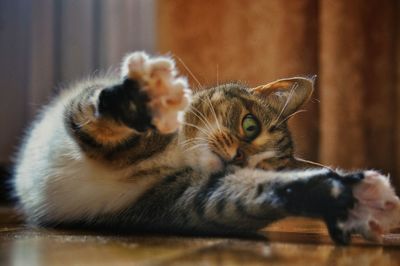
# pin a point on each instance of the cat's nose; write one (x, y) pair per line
(239, 157)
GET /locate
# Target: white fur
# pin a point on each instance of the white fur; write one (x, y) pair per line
(336, 189)
(55, 181)
(201, 158)
(283, 176)
(378, 207)
(198, 153)
(258, 157)
(205, 161)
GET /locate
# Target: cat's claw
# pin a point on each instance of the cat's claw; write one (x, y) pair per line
(377, 209)
(168, 93)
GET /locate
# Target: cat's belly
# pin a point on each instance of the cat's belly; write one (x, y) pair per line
(70, 188)
(55, 180)
(88, 189)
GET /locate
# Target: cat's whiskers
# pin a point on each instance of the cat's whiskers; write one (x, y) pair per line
(197, 127)
(215, 116)
(214, 113)
(195, 142)
(196, 146)
(189, 71)
(210, 104)
(206, 127)
(217, 75)
(191, 141)
(295, 113)
(206, 132)
(201, 117)
(291, 93)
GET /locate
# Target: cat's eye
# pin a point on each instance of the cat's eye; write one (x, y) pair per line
(251, 127)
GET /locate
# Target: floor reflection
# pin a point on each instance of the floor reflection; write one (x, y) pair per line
(291, 242)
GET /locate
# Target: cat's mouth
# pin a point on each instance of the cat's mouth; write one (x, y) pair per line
(209, 160)
(223, 162)
(239, 160)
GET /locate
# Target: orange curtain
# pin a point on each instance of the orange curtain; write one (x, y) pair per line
(353, 120)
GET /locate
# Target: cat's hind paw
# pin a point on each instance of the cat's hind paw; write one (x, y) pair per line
(169, 94)
(377, 209)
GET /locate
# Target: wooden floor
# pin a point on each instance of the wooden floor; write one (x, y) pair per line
(290, 242)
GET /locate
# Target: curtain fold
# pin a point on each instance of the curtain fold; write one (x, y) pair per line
(45, 44)
(397, 114)
(353, 120)
(358, 83)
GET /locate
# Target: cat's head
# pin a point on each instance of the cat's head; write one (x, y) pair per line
(233, 124)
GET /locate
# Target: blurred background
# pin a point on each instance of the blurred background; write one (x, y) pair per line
(352, 121)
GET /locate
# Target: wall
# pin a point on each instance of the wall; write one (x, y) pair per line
(353, 46)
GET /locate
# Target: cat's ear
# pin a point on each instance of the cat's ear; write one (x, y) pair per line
(287, 94)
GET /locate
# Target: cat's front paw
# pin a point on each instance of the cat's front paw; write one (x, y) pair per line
(327, 195)
(377, 209)
(168, 94)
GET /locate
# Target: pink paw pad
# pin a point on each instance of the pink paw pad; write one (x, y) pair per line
(169, 94)
(377, 210)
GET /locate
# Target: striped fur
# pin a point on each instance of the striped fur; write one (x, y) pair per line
(103, 154)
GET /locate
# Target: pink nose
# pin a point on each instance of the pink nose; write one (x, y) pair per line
(239, 157)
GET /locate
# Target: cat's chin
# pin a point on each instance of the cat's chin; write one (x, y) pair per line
(205, 161)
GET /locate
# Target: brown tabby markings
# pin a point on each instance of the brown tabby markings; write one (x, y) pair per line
(231, 103)
(110, 141)
(216, 112)
(101, 156)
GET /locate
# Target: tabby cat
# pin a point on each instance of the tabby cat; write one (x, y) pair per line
(140, 152)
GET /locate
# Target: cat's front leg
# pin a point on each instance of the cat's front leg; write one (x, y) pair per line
(322, 194)
(248, 199)
(362, 202)
(108, 116)
(151, 94)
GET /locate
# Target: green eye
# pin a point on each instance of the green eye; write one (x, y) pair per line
(251, 127)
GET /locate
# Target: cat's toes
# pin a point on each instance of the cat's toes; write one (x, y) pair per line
(337, 233)
(377, 209)
(168, 93)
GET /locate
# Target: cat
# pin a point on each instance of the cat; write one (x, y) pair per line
(140, 151)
